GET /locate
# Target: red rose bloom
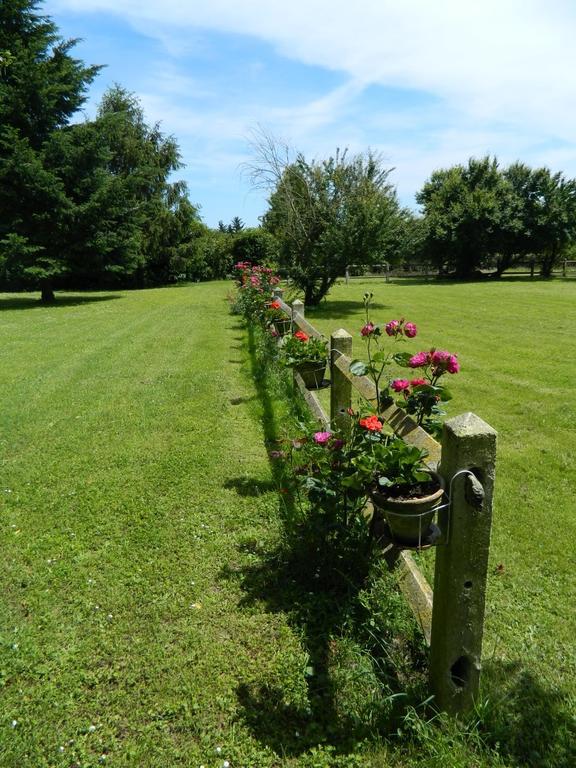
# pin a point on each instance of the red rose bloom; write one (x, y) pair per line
(371, 423)
(301, 336)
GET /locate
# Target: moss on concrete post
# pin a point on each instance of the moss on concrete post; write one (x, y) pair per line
(468, 443)
(341, 387)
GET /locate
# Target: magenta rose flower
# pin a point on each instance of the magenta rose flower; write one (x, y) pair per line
(399, 385)
(440, 357)
(453, 366)
(393, 328)
(444, 362)
(410, 330)
(367, 329)
(419, 360)
(417, 382)
(322, 437)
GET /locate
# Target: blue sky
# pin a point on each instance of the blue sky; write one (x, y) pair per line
(426, 84)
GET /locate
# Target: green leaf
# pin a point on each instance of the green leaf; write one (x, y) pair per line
(402, 359)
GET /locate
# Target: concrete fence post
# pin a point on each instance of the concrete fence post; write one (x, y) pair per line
(297, 308)
(277, 293)
(468, 444)
(341, 387)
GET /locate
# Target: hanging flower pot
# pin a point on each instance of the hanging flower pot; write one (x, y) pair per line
(409, 509)
(312, 373)
(282, 326)
(306, 355)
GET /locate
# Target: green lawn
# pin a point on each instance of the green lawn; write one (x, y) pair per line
(134, 481)
(516, 341)
(136, 499)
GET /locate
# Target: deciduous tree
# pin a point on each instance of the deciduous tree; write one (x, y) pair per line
(327, 214)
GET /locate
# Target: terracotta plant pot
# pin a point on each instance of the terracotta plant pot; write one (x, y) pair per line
(409, 519)
(312, 374)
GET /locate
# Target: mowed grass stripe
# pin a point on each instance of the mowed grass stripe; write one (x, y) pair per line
(122, 456)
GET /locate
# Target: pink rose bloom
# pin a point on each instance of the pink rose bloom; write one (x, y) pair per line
(255, 280)
(399, 385)
(322, 437)
(453, 365)
(440, 357)
(393, 328)
(410, 330)
(419, 360)
(367, 329)
(274, 280)
(445, 361)
(417, 382)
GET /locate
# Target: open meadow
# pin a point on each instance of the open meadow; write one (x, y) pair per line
(138, 509)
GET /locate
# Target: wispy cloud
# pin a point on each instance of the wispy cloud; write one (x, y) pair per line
(428, 83)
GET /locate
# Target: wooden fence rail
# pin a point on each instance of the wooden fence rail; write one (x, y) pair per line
(451, 617)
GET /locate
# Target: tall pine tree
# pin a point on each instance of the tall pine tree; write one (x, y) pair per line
(41, 87)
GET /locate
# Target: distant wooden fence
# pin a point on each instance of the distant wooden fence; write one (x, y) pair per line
(451, 617)
(386, 270)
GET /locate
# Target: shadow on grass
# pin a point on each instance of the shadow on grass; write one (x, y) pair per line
(336, 309)
(240, 400)
(29, 302)
(320, 598)
(530, 721)
(321, 589)
(315, 577)
(249, 486)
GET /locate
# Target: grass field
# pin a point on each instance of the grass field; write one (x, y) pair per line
(136, 494)
(516, 340)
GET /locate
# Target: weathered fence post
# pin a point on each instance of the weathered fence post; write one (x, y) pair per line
(277, 292)
(341, 387)
(297, 308)
(468, 443)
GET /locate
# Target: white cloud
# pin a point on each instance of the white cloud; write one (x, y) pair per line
(498, 76)
(494, 60)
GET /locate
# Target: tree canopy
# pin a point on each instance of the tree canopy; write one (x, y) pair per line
(327, 214)
(83, 204)
(479, 216)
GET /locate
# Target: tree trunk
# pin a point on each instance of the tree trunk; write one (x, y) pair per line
(47, 292)
(548, 263)
(315, 291)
